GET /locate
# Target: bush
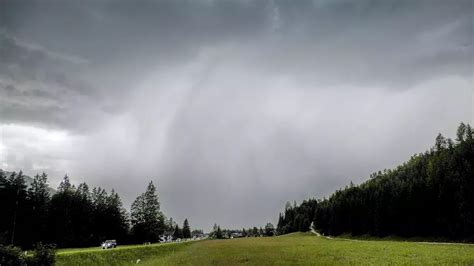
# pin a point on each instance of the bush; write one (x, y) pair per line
(43, 255)
(11, 256)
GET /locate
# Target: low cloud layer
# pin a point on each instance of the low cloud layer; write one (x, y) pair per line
(230, 107)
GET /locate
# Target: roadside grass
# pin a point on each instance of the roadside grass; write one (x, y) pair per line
(122, 255)
(297, 248)
(99, 249)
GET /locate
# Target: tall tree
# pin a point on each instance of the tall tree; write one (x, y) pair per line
(177, 233)
(19, 200)
(269, 229)
(65, 185)
(186, 229)
(69, 214)
(117, 217)
(170, 224)
(146, 217)
(255, 231)
(460, 133)
(219, 233)
(39, 197)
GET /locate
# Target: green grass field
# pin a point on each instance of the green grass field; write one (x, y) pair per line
(295, 248)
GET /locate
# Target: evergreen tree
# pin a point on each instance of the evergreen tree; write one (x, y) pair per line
(269, 229)
(255, 232)
(115, 222)
(219, 233)
(146, 217)
(178, 233)
(65, 185)
(170, 224)
(83, 192)
(61, 219)
(39, 197)
(15, 207)
(469, 133)
(186, 229)
(280, 225)
(440, 142)
(461, 132)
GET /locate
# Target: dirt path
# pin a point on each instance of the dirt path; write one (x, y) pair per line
(419, 242)
(319, 235)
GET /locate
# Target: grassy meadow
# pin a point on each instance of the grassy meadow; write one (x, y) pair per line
(297, 248)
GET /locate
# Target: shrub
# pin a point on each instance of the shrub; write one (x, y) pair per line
(43, 255)
(11, 256)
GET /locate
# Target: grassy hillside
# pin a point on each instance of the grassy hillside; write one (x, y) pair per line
(297, 248)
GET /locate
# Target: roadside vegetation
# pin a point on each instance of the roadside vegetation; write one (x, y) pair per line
(40, 255)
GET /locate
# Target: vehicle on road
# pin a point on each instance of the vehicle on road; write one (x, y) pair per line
(109, 244)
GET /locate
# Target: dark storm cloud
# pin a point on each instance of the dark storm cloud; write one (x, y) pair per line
(43, 88)
(232, 107)
(357, 41)
(296, 37)
(160, 29)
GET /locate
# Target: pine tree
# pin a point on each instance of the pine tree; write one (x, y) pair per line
(280, 225)
(440, 142)
(186, 229)
(170, 224)
(178, 233)
(255, 232)
(469, 133)
(461, 132)
(38, 191)
(39, 197)
(269, 229)
(83, 192)
(116, 217)
(17, 204)
(65, 214)
(219, 233)
(65, 185)
(146, 217)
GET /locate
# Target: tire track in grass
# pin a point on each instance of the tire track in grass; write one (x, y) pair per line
(418, 242)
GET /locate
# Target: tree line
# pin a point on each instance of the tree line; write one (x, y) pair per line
(297, 218)
(218, 233)
(430, 195)
(77, 216)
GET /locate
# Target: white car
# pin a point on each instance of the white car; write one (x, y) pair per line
(109, 244)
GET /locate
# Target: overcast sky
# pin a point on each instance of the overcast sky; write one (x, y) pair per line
(232, 108)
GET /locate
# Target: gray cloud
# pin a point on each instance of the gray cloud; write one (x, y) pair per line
(232, 107)
(45, 88)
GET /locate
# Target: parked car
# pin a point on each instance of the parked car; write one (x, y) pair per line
(109, 244)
